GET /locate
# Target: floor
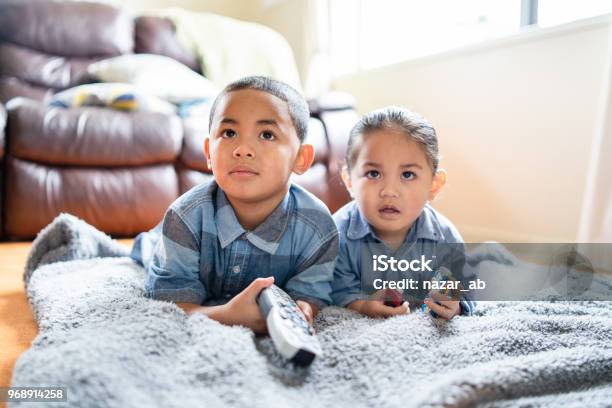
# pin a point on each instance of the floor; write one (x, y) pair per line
(17, 324)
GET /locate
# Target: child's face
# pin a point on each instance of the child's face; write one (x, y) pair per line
(391, 180)
(253, 147)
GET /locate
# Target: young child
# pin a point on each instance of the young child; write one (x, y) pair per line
(226, 240)
(392, 173)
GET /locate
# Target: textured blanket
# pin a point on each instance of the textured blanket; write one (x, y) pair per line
(112, 347)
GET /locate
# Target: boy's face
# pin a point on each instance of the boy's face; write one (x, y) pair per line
(391, 180)
(254, 147)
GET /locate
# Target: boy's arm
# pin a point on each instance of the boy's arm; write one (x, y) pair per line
(346, 284)
(242, 310)
(311, 284)
(173, 271)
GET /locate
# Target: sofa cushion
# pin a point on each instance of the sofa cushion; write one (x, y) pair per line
(124, 97)
(67, 28)
(156, 35)
(192, 154)
(159, 75)
(11, 87)
(91, 136)
(191, 178)
(121, 202)
(43, 69)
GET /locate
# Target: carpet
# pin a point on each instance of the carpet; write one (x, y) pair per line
(112, 347)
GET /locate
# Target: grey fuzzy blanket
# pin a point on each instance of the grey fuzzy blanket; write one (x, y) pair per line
(112, 347)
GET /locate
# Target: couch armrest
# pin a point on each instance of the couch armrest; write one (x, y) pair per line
(2, 149)
(336, 112)
(2, 130)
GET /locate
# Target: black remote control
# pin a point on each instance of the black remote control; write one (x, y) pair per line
(290, 332)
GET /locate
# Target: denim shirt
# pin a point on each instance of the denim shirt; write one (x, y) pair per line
(427, 237)
(200, 252)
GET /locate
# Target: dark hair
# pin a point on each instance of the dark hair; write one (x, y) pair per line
(411, 124)
(298, 108)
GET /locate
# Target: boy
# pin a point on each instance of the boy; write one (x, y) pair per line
(228, 239)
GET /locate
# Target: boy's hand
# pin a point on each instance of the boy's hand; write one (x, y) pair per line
(376, 308)
(447, 309)
(243, 308)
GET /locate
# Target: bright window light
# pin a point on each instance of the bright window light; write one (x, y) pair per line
(366, 34)
(372, 33)
(554, 12)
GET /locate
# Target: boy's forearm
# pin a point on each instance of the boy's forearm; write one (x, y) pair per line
(356, 305)
(219, 313)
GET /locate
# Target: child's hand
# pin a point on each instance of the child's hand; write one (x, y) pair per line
(376, 308)
(243, 309)
(447, 309)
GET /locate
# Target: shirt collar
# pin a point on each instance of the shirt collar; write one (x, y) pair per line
(358, 226)
(425, 226)
(266, 236)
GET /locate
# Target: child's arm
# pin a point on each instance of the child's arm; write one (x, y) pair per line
(347, 289)
(377, 308)
(241, 310)
(311, 285)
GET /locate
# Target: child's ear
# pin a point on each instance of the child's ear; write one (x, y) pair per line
(439, 180)
(207, 151)
(304, 158)
(346, 179)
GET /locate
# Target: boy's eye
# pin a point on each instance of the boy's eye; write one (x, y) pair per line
(228, 133)
(408, 175)
(373, 174)
(267, 135)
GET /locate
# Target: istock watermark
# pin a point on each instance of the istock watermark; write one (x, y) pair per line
(384, 263)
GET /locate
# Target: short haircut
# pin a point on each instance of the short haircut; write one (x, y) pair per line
(411, 124)
(298, 108)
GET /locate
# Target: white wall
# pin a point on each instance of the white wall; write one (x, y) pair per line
(516, 120)
(289, 18)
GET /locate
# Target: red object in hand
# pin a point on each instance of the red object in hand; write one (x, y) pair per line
(393, 298)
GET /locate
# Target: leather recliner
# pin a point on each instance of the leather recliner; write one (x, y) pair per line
(118, 171)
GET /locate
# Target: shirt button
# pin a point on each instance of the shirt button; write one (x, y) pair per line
(228, 295)
(236, 269)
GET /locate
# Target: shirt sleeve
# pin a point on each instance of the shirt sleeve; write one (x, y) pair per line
(346, 286)
(467, 306)
(312, 281)
(173, 272)
(463, 272)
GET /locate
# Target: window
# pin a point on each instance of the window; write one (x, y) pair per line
(365, 34)
(554, 12)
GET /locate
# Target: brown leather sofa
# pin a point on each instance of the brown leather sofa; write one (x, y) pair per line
(118, 171)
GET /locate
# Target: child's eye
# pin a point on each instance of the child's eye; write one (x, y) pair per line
(267, 135)
(228, 133)
(408, 175)
(373, 174)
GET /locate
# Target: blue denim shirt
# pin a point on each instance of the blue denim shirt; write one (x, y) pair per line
(200, 252)
(428, 236)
